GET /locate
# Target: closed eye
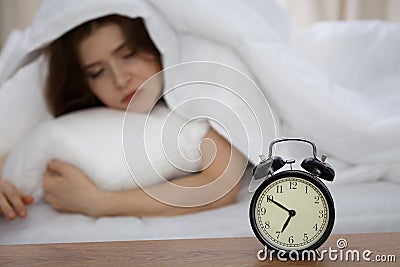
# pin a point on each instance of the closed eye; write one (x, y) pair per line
(130, 54)
(96, 74)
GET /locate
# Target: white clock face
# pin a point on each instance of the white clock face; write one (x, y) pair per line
(291, 213)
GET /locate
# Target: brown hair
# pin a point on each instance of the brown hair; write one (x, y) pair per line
(66, 86)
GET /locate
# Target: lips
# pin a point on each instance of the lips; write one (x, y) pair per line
(128, 97)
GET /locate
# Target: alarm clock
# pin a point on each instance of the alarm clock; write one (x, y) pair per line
(292, 209)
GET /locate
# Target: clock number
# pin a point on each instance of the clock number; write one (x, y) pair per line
(278, 234)
(292, 185)
(279, 189)
(316, 199)
(306, 189)
(263, 211)
(321, 213)
(315, 227)
(267, 224)
(291, 240)
(270, 198)
(305, 237)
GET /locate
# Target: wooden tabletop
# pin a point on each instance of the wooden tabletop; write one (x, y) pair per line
(193, 252)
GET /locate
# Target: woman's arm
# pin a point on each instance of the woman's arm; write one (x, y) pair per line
(224, 168)
(3, 160)
(12, 201)
(224, 171)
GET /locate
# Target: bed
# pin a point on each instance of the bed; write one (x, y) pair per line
(357, 212)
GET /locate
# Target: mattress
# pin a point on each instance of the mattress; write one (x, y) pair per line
(360, 207)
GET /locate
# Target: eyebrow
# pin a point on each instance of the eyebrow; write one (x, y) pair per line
(116, 50)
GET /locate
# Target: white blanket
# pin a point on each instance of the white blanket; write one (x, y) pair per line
(335, 84)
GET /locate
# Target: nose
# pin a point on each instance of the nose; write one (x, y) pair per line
(122, 77)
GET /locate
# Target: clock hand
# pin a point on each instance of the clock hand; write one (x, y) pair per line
(279, 205)
(291, 214)
(286, 223)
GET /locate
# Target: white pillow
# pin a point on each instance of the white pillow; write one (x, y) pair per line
(92, 141)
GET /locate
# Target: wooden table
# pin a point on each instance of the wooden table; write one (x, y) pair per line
(188, 252)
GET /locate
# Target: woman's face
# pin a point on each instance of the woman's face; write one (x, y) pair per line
(115, 70)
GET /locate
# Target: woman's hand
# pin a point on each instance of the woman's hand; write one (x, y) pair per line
(68, 189)
(12, 201)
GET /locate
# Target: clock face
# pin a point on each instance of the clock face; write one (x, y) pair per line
(293, 211)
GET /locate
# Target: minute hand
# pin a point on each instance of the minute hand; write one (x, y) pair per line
(279, 205)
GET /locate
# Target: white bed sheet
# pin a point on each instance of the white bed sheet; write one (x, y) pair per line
(360, 207)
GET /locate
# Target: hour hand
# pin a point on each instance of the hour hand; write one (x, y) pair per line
(291, 214)
(286, 224)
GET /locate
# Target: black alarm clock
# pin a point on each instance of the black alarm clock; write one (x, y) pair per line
(292, 210)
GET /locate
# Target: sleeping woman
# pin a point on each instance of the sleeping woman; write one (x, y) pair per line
(102, 63)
